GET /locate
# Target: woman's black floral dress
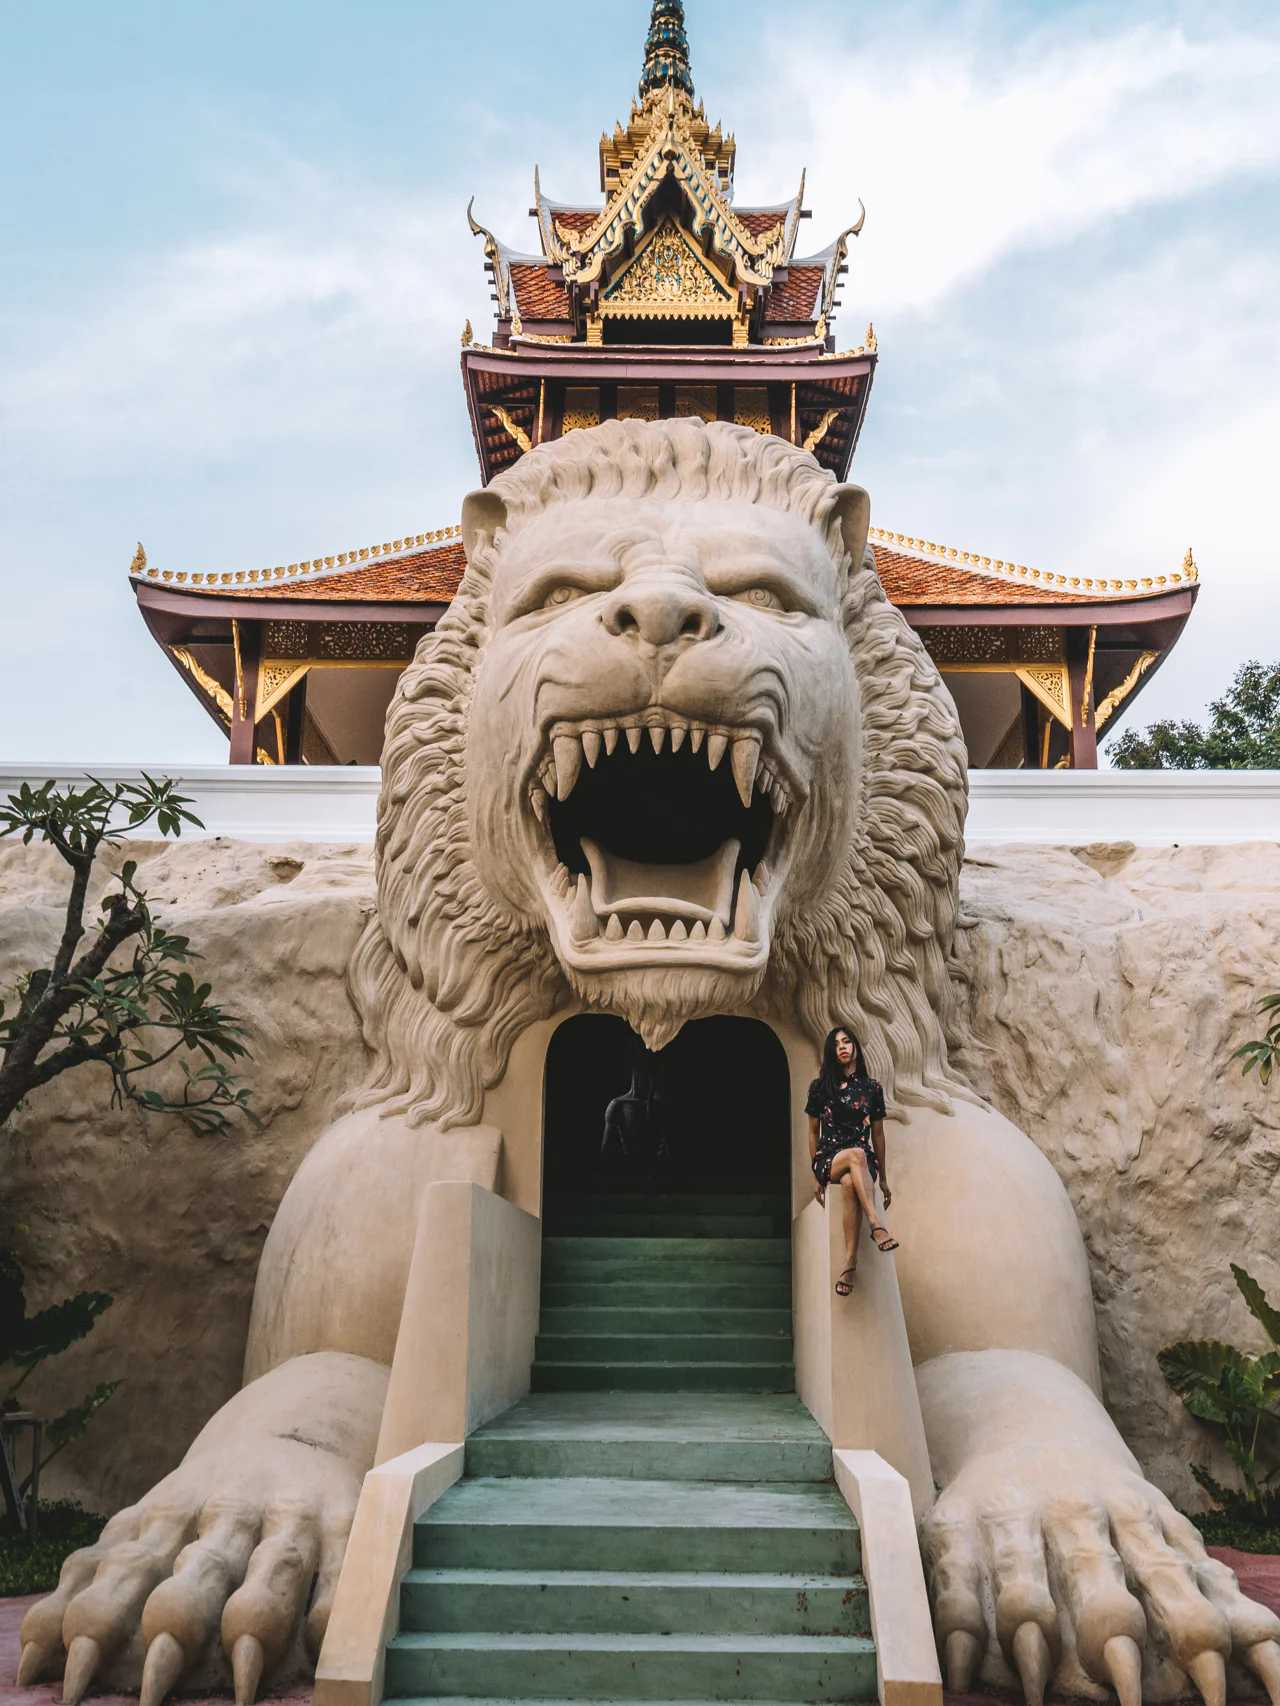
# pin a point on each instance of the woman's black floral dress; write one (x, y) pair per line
(844, 1122)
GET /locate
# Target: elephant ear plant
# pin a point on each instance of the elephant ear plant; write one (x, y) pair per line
(1239, 1394)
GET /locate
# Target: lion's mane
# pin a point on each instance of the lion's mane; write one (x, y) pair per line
(445, 978)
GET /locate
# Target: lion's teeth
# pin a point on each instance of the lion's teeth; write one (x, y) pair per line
(633, 737)
(762, 876)
(635, 932)
(658, 736)
(538, 800)
(746, 917)
(568, 760)
(678, 932)
(562, 877)
(696, 734)
(717, 931)
(746, 755)
(715, 750)
(678, 732)
(781, 800)
(549, 777)
(591, 746)
(764, 780)
(699, 932)
(584, 924)
(656, 931)
(610, 740)
(613, 929)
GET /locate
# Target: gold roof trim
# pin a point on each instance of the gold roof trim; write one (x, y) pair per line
(1140, 586)
(318, 565)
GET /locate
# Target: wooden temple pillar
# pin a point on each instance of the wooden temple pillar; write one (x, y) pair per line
(1081, 648)
(247, 640)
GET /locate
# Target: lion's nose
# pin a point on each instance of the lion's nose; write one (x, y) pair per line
(660, 614)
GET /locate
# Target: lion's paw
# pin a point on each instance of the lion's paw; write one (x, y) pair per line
(227, 1568)
(1103, 1587)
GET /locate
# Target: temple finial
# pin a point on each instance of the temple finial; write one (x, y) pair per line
(666, 52)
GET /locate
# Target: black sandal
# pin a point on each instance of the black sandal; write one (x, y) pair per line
(844, 1285)
(892, 1243)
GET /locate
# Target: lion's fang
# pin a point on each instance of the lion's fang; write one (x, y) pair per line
(568, 759)
(584, 924)
(746, 755)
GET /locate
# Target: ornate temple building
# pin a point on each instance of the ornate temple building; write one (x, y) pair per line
(663, 297)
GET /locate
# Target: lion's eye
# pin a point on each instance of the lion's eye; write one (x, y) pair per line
(761, 598)
(559, 595)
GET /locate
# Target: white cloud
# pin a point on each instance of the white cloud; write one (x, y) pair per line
(966, 149)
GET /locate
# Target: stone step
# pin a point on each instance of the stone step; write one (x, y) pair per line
(610, 1319)
(596, 1254)
(563, 1523)
(711, 1436)
(766, 1289)
(663, 1377)
(663, 1347)
(624, 1223)
(774, 1203)
(630, 1601)
(642, 1667)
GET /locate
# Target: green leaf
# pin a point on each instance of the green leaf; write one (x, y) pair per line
(1195, 1363)
(72, 1423)
(51, 1330)
(1262, 1312)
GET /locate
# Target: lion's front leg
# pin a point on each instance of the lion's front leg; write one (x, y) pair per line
(228, 1566)
(1053, 1559)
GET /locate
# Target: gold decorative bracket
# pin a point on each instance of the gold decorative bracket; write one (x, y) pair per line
(1049, 683)
(276, 678)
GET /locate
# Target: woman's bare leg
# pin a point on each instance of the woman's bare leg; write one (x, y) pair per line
(852, 1222)
(852, 1164)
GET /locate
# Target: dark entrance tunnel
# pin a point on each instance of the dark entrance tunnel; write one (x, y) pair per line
(709, 1113)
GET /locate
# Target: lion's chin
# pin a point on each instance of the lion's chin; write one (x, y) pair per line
(657, 1002)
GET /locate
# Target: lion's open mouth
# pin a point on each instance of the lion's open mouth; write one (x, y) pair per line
(664, 837)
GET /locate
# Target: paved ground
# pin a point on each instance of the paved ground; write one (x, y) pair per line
(1259, 1576)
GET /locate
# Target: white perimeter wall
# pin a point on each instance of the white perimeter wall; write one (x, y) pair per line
(1157, 808)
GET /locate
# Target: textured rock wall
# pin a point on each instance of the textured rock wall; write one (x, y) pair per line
(1105, 989)
(170, 1223)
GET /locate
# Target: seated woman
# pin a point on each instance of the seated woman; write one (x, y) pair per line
(846, 1143)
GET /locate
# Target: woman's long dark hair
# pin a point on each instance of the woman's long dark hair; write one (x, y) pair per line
(832, 1074)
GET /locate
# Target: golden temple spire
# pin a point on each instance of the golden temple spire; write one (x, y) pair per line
(666, 52)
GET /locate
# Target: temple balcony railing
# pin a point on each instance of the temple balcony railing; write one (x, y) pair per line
(1153, 808)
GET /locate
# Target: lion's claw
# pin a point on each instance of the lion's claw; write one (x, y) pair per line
(963, 1651)
(31, 1664)
(165, 1663)
(1208, 1671)
(1033, 1661)
(83, 1657)
(1122, 1657)
(248, 1657)
(1263, 1659)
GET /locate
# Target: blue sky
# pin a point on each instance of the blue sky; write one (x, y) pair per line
(236, 265)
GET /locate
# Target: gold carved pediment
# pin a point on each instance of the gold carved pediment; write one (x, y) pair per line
(669, 278)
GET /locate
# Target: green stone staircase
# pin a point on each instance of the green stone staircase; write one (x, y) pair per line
(657, 1521)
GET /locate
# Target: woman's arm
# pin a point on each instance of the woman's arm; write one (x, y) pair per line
(813, 1150)
(877, 1140)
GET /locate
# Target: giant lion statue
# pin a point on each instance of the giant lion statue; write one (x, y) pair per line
(702, 593)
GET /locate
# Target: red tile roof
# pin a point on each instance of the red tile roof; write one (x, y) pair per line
(797, 299)
(576, 218)
(431, 576)
(909, 580)
(537, 296)
(759, 223)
